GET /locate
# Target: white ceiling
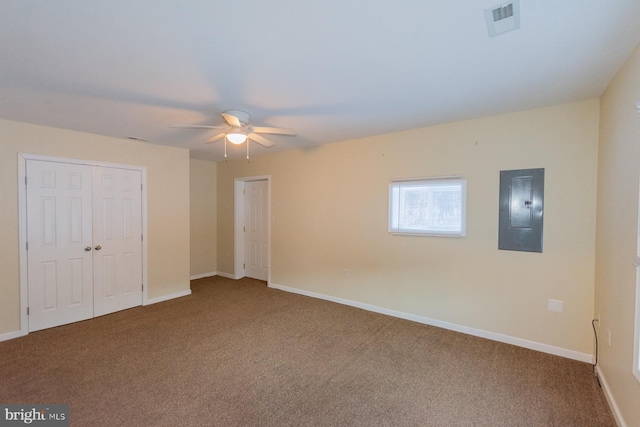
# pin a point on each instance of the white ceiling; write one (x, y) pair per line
(333, 69)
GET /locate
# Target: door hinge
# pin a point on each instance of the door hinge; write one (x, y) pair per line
(244, 229)
(142, 237)
(141, 187)
(25, 180)
(142, 287)
(27, 245)
(244, 266)
(27, 311)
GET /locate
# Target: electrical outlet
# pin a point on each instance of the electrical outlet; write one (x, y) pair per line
(555, 305)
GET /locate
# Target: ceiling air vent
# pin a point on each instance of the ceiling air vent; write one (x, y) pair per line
(502, 12)
(503, 18)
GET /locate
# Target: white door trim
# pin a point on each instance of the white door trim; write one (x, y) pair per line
(22, 224)
(238, 253)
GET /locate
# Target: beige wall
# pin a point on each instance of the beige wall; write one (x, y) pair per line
(203, 217)
(167, 204)
(329, 208)
(617, 231)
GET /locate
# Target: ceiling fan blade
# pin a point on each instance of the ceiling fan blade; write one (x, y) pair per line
(232, 120)
(276, 131)
(260, 140)
(215, 138)
(196, 127)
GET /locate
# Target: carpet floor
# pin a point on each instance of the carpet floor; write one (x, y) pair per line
(236, 353)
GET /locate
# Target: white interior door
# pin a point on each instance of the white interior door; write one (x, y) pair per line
(256, 230)
(59, 253)
(84, 234)
(117, 238)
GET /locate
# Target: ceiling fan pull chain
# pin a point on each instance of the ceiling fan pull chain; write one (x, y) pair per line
(225, 146)
(247, 148)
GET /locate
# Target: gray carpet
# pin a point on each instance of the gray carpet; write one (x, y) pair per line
(236, 353)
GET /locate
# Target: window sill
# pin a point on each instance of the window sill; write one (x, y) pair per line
(405, 233)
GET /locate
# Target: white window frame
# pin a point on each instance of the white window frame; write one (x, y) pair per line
(395, 190)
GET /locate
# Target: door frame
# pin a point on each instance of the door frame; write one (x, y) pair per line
(238, 220)
(22, 223)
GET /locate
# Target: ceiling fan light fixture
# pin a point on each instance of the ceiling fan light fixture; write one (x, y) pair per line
(236, 137)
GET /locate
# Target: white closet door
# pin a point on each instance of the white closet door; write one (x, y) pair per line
(59, 251)
(117, 239)
(256, 230)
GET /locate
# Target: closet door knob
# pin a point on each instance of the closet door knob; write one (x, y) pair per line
(98, 247)
(87, 248)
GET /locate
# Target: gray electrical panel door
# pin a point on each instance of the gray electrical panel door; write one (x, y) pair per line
(521, 210)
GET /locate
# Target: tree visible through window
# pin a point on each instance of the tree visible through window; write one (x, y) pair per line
(428, 206)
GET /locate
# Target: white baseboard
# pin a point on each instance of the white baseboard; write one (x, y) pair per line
(615, 410)
(227, 275)
(202, 276)
(17, 334)
(532, 345)
(11, 335)
(167, 297)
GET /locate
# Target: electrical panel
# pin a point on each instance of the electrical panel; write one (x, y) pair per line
(521, 210)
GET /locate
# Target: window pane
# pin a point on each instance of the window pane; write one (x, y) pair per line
(427, 207)
(414, 208)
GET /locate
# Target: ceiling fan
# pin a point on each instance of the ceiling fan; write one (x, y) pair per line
(238, 129)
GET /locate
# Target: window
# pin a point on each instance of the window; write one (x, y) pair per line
(431, 206)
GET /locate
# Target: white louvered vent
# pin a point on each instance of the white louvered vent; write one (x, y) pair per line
(503, 18)
(502, 12)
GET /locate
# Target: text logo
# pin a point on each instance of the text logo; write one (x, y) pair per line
(34, 415)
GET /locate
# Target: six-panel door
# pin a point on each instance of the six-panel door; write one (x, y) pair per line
(256, 230)
(117, 232)
(60, 271)
(84, 241)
